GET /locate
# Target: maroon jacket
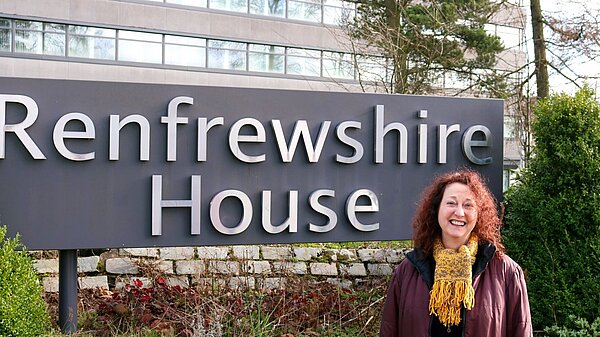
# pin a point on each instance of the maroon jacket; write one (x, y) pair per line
(501, 305)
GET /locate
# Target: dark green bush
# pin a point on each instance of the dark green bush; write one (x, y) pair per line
(575, 327)
(553, 214)
(22, 308)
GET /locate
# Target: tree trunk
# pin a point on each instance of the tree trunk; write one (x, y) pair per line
(539, 50)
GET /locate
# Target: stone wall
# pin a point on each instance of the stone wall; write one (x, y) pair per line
(227, 266)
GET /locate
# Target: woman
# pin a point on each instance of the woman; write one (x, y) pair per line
(458, 281)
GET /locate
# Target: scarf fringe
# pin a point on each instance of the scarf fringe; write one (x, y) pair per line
(446, 292)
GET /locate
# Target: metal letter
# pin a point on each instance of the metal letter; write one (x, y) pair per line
(235, 138)
(352, 208)
(381, 131)
(291, 222)
(114, 136)
(328, 212)
(444, 132)
(19, 129)
(158, 204)
(203, 128)
(300, 129)
(468, 143)
(215, 216)
(60, 134)
(172, 120)
(355, 144)
(422, 158)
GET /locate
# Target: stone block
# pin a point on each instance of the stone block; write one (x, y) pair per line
(166, 267)
(140, 252)
(394, 256)
(46, 266)
(193, 267)
(120, 282)
(353, 269)
(341, 283)
(346, 255)
(121, 265)
(246, 252)
(257, 267)
(271, 283)
(224, 267)
(242, 282)
(213, 253)
(307, 253)
(379, 269)
(276, 253)
(371, 255)
(213, 283)
(320, 268)
(177, 253)
(286, 267)
(50, 284)
(181, 281)
(93, 282)
(88, 264)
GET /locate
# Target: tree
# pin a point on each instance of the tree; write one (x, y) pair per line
(571, 50)
(539, 50)
(418, 42)
(553, 213)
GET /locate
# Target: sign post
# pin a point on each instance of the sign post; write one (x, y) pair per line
(67, 287)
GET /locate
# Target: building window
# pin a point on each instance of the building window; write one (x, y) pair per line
(5, 35)
(510, 36)
(303, 62)
(40, 38)
(266, 58)
(509, 128)
(193, 3)
(91, 42)
(185, 51)
(229, 5)
(309, 10)
(140, 47)
(268, 7)
(372, 68)
(226, 55)
(338, 65)
(336, 12)
(116, 45)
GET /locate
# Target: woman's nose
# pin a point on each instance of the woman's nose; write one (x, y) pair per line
(459, 210)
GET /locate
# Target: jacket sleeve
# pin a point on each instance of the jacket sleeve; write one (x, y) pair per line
(517, 306)
(389, 319)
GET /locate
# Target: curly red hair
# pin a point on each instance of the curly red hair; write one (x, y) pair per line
(425, 222)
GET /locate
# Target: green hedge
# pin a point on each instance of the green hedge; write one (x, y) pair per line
(553, 213)
(22, 308)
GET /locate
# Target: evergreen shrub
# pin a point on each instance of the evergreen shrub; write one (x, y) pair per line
(575, 327)
(553, 212)
(22, 307)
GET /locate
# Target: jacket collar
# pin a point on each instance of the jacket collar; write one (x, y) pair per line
(425, 265)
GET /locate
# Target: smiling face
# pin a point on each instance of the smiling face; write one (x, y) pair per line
(457, 215)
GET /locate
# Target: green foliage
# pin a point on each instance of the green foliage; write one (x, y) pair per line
(22, 308)
(424, 39)
(553, 215)
(575, 327)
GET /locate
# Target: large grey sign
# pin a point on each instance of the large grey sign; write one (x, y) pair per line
(98, 165)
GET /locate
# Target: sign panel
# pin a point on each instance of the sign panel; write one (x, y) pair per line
(104, 165)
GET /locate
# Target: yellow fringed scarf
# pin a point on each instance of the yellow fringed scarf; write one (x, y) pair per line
(452, 285)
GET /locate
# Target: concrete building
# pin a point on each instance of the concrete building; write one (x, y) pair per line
(283, 44)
